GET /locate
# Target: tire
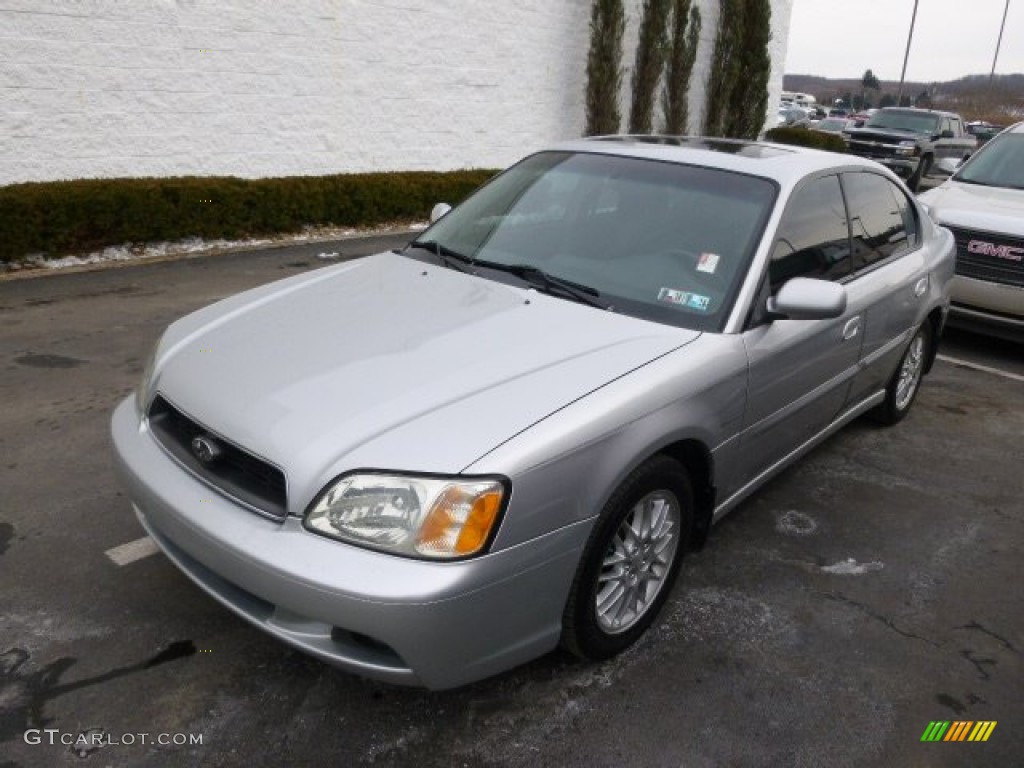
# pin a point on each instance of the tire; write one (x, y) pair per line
(914, 182)
(906, 381)
(623, 578)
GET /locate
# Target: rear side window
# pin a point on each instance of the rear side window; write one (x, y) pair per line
(813, 239)
(877, 224)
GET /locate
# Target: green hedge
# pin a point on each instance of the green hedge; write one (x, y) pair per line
(65, 217)
(803, 137)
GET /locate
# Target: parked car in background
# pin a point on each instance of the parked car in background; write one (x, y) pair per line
(832, 125)
(983, 131)
(983, 205)
(911, 142)
(793, 117)
(430, 465)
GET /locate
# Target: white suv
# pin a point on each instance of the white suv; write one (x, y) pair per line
(983, 205)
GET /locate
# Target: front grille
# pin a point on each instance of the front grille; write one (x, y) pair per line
(986, 265)
(870, 149)
(236, 472)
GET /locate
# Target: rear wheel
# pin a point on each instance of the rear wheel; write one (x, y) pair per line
(902, 388)
(630, 561)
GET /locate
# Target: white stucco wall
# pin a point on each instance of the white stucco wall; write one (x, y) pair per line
(108, 88)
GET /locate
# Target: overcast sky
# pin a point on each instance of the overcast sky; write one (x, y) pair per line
(952, 38)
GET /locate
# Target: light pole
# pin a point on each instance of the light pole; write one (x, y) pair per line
(910, 36)
(998, 43)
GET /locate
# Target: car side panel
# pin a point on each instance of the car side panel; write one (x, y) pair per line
(888, 299)
(800, 373)
(565, 468)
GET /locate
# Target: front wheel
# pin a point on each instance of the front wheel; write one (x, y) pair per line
(630, 561)
(902, 388)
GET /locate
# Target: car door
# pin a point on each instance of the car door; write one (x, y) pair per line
(889, 278)
(800, 370)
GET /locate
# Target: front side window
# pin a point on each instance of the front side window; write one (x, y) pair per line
(813, 239)
(662, 241)
(877, 226)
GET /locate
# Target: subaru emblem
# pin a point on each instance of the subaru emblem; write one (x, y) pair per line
(206, 449)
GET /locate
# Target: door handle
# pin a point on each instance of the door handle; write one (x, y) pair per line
(852, 328)
(920, 287)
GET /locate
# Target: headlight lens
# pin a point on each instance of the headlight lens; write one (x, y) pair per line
(908, 148)
(142, 390)
(438, 518)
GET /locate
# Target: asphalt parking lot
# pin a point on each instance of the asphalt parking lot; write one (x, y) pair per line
(869, 590)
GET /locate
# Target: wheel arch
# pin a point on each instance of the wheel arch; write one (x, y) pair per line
(935, 319)
(699, 464)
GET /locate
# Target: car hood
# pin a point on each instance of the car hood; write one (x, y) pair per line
(990, 209)
(391, 363)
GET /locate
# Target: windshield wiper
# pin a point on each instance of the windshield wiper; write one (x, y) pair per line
(447, 256)
(540, 279)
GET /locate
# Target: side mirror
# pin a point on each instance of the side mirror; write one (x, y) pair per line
(804, 298)
(946, 134)
(438, 211)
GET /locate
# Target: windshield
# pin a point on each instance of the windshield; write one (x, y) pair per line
(1000, 163)
(656, 240)
(904, 121)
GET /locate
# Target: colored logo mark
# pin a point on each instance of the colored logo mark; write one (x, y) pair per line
(958, 730)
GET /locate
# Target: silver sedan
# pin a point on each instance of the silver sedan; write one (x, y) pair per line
(432, 465)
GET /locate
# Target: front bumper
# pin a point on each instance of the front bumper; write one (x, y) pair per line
(988, 307)
(404, 621)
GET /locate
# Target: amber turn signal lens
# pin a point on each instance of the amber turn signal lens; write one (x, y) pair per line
(460, 520)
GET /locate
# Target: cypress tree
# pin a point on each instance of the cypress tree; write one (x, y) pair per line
(748, 97)
(604, 67)
(651, 49)
(725, 67)
(681, 57)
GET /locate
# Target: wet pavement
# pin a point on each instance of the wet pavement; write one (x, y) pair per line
(871, 589)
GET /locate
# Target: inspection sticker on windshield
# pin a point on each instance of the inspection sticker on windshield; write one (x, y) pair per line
(707, 262)
(684, 298)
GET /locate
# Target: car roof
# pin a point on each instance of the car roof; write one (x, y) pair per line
(919, 111)
(784, 163)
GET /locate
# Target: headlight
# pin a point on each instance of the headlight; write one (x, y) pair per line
(434, 517)
(907, 148)
(142, 390)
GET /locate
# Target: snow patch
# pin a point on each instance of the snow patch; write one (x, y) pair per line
(793, 523)
(850, 567)
(197, 245)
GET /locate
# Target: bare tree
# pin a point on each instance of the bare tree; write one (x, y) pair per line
(868, 81)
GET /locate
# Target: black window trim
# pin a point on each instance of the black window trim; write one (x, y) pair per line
(891, 258)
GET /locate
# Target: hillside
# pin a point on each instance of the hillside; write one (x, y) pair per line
(973, 95)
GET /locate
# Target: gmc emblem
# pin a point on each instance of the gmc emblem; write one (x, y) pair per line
(1007, 252)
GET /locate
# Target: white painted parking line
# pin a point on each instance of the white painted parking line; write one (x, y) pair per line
(132, 551)
(979, 367)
